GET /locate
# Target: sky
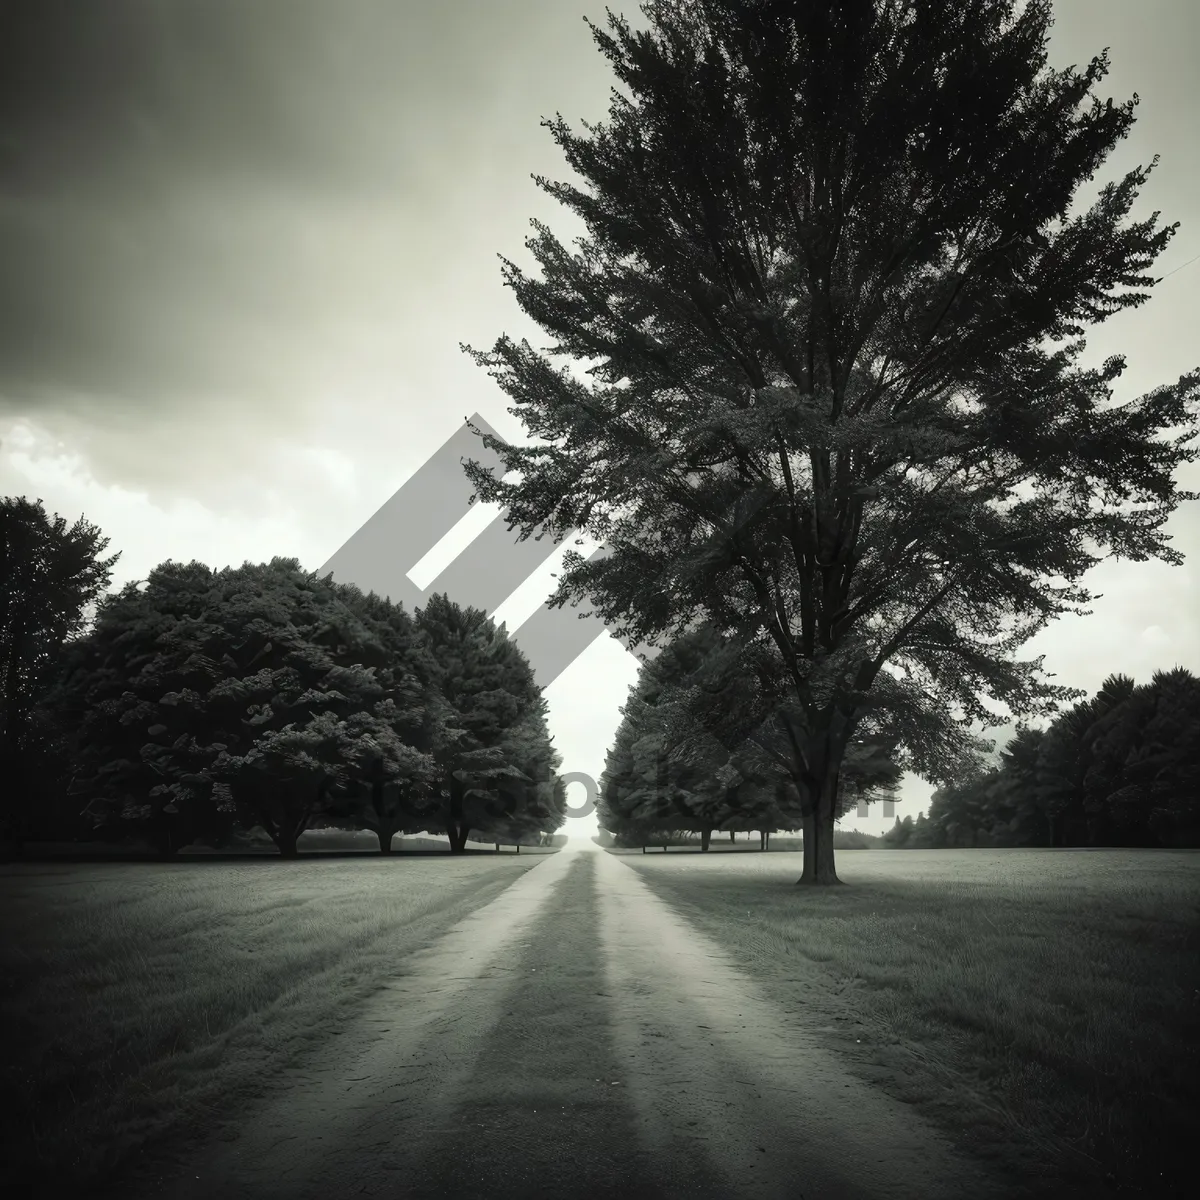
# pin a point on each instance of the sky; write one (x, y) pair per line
(241, 243)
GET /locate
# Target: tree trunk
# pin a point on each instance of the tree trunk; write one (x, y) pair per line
(385, 840)
(497, 847)
(732, 836)
(17, 840)
(762, 839)
(286, 841)
(1056, 829)
(817, 831)
(705, 837)
(165, 841)
(518, 847)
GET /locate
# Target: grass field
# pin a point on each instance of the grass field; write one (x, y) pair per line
(139, 996)
(1018, 997)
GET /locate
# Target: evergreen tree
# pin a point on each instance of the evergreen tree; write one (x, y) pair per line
(1065, 758)
(1142, 768)
(900, 833)
(1018, 795)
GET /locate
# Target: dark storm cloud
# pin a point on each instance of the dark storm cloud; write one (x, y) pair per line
(116, 119)
(242, 215)
(187, 190)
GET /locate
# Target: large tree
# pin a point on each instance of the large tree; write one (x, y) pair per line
(394, 791)
(49, 576)
(836, 301)
(254, 691)
(304, 695)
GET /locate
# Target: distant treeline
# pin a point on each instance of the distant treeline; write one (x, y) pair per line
(200, 703)
(665, 782)
(1121, 769)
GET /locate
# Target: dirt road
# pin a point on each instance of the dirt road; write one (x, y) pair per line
(574, 1038)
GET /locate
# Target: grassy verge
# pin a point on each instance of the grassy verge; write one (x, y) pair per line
(1043, 1006)
(140, 998)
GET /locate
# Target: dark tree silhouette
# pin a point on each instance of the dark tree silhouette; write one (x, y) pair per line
(837, 301)
(49, 576)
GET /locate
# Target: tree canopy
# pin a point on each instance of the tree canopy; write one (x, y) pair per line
(49, 577)
(268, 696)
(1120, 769)
(660, 776)
(837, 298)
(500, 773)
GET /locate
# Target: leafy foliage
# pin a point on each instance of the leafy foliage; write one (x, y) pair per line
(208, 700)
(837, 304)
(49, 576)
(1119, 770)
(664, 774)
(499, 771)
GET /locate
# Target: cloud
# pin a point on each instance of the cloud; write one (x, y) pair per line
(224, 226)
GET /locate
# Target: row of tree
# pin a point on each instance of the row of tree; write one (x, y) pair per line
(201, 702)
(1120, 769)
(663, 779)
